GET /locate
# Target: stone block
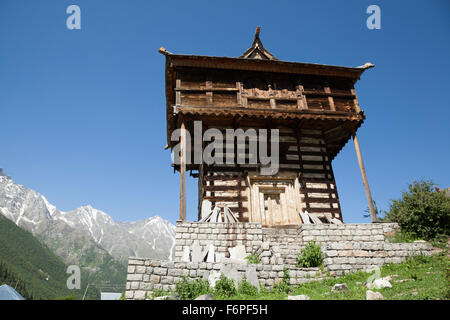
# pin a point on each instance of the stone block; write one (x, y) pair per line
(134, 285)
(139, 295)
(160, 271)
(140, 269)
(155, 278)
(174, 272)
(129, 294)
(166, 280)
(331, 253)
(136, 262)
(146, 286)
(167, 264)
(154, 263)
(134, 277)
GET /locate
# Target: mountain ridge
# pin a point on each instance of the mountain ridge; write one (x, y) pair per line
(86, 236)
(29, 265)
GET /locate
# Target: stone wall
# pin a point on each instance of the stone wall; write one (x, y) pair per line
(326, 233)
(221, 235)
(350, 256)
(148, 275)
(345, 248)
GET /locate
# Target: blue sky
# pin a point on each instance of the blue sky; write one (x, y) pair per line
(82, 112)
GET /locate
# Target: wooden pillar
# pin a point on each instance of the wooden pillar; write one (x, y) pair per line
(183, 171)
(330, 99)
(355, 101)
(364, 177)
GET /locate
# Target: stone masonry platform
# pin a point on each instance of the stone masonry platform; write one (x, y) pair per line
(345, 248)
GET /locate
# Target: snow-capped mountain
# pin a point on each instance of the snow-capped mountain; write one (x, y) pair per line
(92, 229)
(155, 231)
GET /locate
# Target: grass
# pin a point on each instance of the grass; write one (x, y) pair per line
(424, 278)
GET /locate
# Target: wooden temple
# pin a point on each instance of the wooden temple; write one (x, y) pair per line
(314, 107)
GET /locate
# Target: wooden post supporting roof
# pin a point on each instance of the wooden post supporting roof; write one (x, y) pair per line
(364, 177)
(183, 171)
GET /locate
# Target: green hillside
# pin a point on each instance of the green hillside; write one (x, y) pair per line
(28, 265)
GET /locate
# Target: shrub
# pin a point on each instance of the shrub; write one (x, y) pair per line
(401, 237)
(225, 287)
(310, 256)
(286, 276)
(190, 289)
(246, 288)
(422, 212)
(159, 293)
(252, 259)
(283, 286)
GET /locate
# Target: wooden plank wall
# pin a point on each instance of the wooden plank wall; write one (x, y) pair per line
(303, 153)
(317, 181)
(220, 88)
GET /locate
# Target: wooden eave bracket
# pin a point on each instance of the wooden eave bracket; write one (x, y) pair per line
(367, 65)
(163, 51)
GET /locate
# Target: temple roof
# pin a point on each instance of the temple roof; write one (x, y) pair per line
(258, 58)
(257, 50)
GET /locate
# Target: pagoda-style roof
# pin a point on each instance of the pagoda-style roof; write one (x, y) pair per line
(257, 58)
(257, 50)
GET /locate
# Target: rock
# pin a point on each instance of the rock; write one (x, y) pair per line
(214, 276)
(211, 256)
(205, 297)
(206, 208)
(220, 256)
(403, 280)
(238, 252)
(358, 283)
(339, 287)
(299, 297)
(196, 252)
(252, 276)
(231, 272)
(379, 284)
(371, 295)
(186, 254)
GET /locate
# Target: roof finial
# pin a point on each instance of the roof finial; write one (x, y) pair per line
(258, 30)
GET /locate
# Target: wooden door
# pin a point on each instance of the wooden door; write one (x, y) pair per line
(274, 202)
(272, 206)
